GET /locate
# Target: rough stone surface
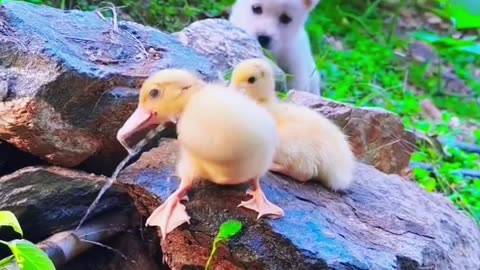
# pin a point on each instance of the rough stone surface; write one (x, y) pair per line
(378, 137)
(47, 200)
(68, 79)
(381, 222)
(225, 45)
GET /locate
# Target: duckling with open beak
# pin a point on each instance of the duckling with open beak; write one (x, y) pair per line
(224, 137)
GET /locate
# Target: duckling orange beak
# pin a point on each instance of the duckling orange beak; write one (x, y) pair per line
(139, 120)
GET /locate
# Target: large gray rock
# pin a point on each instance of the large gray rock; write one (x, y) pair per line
(381, 222)
(68, 80)
(225, 45)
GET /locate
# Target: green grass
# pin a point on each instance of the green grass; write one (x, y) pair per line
(170, 15)
(367, 72)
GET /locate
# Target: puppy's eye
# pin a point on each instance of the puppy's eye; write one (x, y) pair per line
(257, 9)
(251, 80)
(154, 93)
(285, 19)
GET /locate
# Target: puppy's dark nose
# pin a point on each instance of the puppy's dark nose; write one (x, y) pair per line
(264, 40)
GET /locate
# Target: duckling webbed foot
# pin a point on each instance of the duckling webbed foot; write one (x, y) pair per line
(171, 213)
(260, 203)
(278, 168)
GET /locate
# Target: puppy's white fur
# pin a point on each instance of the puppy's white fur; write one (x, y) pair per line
(289, 43)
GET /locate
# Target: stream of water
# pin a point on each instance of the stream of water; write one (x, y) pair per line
(120, 166)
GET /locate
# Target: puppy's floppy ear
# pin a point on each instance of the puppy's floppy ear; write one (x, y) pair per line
(310, 4)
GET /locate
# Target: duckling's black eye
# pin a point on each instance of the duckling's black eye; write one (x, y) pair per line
(285, 19)
(251, 80)
(154, 93)
(257, 9)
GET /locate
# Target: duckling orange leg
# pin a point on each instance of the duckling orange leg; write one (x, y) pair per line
(288, 172)
(260, 203)
(171, 213)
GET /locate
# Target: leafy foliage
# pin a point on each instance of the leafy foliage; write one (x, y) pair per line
(28, 256)
(465, 14)
(461, 45)
(7, 262)
(25, 254)
(7, 218)
(228, 231)
(171, 16)
(370, 71)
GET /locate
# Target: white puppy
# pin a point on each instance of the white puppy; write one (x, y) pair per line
(279, 26)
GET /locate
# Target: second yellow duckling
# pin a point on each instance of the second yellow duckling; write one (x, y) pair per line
(311, 146)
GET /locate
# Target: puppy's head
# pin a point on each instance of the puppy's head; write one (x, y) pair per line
(275, 23)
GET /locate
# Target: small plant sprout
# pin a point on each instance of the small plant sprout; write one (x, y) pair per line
(282, 96)
(229, 230)
(26, 255)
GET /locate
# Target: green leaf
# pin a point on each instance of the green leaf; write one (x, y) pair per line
(229, 230)
(428, 37)
(282, 96)
(8, 218)
(29, 256)
(7, 262)
(475, 49)
(476, 134)
(465, 14)
(446, 41)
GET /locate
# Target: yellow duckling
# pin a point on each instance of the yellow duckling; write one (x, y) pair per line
(224, 137)
(311, 146)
